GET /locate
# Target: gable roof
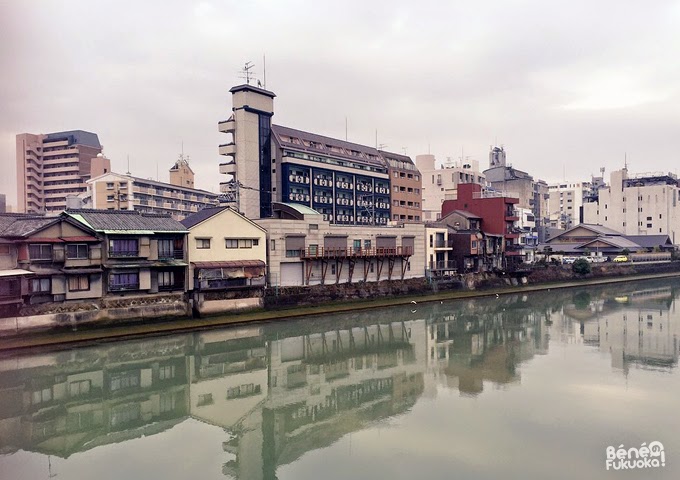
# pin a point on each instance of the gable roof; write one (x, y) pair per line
(126, 221)
(651, 241)
(598, 230)
(22, 225)
(207, 213)
(618, 242)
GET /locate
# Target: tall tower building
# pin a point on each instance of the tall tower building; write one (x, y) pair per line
(249, 165)
(54, 166)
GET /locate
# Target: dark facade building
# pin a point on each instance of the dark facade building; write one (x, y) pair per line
(496, 210)
(348, 183)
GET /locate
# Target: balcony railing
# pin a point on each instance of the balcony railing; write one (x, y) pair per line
(322, 252)
(171, 254)
(123, 253)
(443, 265)
(119, 287)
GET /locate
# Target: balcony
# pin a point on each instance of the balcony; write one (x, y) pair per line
(116, 253)
(176, 254)
(443, 265)
(322, 252)
(228, 149)
(226, 126)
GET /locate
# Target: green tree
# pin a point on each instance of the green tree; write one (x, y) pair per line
(581, 267)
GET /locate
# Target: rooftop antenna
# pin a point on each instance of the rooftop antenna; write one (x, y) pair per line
(246, 72)
(128, 169)
(157, 171)
(264, 72)
(345, 127)
(625, 160)
(376, 138)
(404, 149)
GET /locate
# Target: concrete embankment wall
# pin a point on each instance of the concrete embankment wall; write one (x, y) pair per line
(148, 309)
(104, 312)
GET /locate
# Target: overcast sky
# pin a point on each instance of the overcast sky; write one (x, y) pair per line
(567, 86)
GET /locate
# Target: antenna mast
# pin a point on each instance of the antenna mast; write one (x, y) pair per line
(246, 72)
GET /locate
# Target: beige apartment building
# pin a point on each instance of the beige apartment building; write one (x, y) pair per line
(439, 184)
(406, 195)
(305, 249)
(115, 191)
(53, 166)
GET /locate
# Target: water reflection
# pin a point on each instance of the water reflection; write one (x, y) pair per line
(281, 390)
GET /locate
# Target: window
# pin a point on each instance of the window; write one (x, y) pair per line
(231, 242)
(205, 399)
(273, 245)
(202, 243)
(167, 402)
(166, 372)
(357, 244)
(40, 252)
(41, 285)
(165, 248)
(41, 396)
(80, 387)
(123, 247)
(77, 251)
(109, 185)
(367, 244)
(78, 283)
(166, 279)
(123, 380)
(4, 250)
(124, 281)
(109, 198)
(332, 269)
(256, 241)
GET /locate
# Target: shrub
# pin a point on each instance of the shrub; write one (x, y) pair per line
(581, 267)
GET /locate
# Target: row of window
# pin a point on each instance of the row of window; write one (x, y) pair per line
(44, 251)
(75, 283)
(204, 243)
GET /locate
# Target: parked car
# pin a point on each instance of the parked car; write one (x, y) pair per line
(620, 259)
(568, 260)
(594, 259)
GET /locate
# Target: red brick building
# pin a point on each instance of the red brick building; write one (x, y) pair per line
(496, 210)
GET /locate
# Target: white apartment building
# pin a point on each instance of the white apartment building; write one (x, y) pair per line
(441, 184)
(565, 202)
(640, 204)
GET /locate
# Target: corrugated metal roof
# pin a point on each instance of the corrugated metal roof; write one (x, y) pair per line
(14, 225)
(127, 221)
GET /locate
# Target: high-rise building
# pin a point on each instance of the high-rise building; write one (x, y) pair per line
(346, 182)
(565, 205)
(53, 166)
(3, 203)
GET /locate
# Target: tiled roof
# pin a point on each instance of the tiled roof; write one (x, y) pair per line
(202, 215)
(125, 220)
(22, 225)
(651, 241)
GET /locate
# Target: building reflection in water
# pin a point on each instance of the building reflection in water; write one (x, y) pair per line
(280, 390)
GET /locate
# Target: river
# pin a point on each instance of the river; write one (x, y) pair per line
(561, 384)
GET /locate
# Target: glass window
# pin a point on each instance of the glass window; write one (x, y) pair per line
(123, 380)
(231, 243)
(40, 252)
(245, 243)
(80, 387)
(77, 251)
(124, 281)
(78, 283)
(124, 247)
(202, 243)
(41, 285)
(165, 248)
(166, 372)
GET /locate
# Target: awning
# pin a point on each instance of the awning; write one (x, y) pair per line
(229, 264)
(15, 272)
(80, 239)
(43, 240)
(82, 270)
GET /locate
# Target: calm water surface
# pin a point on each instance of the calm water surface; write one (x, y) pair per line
(532, 386)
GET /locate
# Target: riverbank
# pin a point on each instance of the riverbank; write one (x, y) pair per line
(64, 338)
